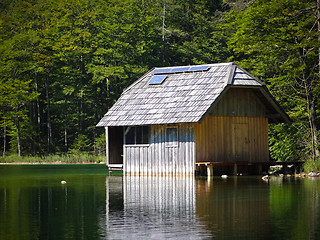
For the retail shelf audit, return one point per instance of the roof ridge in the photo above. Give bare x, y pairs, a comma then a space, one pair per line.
210, 64
230, 76
137, 81
249, 74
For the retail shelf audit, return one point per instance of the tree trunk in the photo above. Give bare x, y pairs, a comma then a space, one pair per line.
81, 120
311, 118
163, 31
314, 129
18, 135
318, 22
38, 107
4, 139
65, 140
80, 101
49, 129
313, 110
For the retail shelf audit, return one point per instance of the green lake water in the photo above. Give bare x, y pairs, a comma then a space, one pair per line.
92, 205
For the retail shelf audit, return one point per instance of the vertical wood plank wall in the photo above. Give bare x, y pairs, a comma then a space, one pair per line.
235, 130
159, 158
219, 139
239, 102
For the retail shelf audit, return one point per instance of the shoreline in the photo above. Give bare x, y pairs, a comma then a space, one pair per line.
52, 163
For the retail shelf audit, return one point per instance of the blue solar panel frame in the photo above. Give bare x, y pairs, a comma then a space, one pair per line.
161, 70
180, 69
157, 79
169, 70
199, 68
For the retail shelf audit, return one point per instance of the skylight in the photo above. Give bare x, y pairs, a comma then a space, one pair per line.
157, 79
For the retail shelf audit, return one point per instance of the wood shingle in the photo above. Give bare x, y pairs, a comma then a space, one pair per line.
183, 97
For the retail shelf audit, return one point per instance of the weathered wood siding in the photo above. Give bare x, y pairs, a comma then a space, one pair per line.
235, 130
136, 160
232, 139
161, 157
239, 102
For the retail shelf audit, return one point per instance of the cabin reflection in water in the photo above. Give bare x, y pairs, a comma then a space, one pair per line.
184, 207
154, 207
237, 207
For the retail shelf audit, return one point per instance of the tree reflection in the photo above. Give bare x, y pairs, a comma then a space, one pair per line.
234, 208
39, 207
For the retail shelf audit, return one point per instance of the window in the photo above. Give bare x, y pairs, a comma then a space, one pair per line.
172, 137
137, 135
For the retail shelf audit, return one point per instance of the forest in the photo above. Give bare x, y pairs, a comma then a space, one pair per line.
64, 63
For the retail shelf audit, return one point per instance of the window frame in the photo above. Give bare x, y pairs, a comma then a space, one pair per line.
175, 141
136, 130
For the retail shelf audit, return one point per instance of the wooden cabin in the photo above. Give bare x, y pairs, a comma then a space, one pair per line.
176, 120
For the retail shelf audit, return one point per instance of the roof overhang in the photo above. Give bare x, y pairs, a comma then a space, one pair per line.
275, 113
186, 96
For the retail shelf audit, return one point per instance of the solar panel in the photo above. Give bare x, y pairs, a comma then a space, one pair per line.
179, 69
198, 68
161, 70
157, 79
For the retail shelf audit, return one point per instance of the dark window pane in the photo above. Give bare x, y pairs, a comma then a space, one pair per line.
145, 135
138, 135
130, 136
172, 136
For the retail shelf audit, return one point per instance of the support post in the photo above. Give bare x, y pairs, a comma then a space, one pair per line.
210, 170
202, 170
285, 168
107, 146
235, 169
198, 168
259, 168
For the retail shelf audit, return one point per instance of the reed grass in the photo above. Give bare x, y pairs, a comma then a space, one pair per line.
56, 159
312, 165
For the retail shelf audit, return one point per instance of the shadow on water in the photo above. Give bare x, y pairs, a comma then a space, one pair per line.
91, 205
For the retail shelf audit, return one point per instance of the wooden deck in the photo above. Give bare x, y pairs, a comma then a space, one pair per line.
231, 168
112, 167
236, 168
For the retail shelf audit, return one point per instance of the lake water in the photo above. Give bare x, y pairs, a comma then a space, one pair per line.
91, 205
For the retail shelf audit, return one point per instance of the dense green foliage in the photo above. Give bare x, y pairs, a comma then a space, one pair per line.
64, 63
279, 42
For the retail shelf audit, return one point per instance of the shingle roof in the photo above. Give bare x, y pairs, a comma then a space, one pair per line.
181, 97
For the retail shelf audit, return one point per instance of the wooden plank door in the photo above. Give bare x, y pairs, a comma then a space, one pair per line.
240, 142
